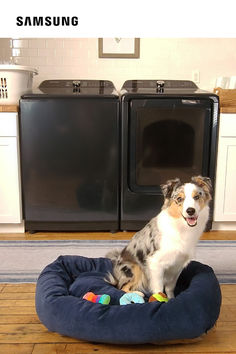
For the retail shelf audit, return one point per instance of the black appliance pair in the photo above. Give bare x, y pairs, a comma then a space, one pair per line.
94, 160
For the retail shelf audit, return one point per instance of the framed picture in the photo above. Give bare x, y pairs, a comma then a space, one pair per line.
119, 47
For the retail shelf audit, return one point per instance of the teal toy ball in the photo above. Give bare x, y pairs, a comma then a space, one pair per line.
131, 298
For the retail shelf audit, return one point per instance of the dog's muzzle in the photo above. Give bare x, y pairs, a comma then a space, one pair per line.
191, 218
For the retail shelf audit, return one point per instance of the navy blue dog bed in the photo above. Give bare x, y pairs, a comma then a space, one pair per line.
60, 306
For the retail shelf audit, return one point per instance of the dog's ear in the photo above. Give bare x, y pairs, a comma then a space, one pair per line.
169, 186
204, 183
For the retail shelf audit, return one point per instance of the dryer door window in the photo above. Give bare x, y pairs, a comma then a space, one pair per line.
168, 138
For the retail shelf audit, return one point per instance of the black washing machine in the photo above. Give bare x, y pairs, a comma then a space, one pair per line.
169, 129
69, 142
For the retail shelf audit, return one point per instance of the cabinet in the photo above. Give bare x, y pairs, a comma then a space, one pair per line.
10, 201
225, 189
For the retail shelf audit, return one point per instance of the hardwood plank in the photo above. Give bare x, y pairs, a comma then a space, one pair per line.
228, 300
19, 288
52, 349
16, 348
7, 319
211, 235
16, 303
227, 326
228, 289
219, 235
68, 236
18, 296
212, 343
18, 310
30, 333
228, 294
218, 341
15, 328
89, 348
228, 313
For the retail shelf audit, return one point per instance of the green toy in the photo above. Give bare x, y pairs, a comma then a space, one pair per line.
161, 297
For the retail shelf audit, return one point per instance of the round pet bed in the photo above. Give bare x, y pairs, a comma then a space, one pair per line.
61, 307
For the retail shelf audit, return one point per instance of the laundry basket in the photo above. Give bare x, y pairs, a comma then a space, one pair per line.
14, 81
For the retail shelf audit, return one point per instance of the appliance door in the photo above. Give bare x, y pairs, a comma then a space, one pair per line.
162, 138
69, 154
168, 138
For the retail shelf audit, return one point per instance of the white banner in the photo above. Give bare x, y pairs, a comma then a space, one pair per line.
123, 18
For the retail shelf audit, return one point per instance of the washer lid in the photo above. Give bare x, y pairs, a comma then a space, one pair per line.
153, 84
162, 88
64, 84
74, 88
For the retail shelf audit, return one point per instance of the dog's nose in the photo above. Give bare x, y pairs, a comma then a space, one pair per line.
190, 211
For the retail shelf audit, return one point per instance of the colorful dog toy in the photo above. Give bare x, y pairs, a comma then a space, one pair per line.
98, 299
161, 297
131, 298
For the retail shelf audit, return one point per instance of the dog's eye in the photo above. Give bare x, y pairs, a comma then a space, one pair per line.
196, 197
179, 199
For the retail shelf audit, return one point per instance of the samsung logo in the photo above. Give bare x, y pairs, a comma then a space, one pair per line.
47, 21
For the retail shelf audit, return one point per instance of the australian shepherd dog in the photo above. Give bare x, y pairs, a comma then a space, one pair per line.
155, 256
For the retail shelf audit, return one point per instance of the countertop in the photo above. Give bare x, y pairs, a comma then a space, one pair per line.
9, 108
230, 109
227, 99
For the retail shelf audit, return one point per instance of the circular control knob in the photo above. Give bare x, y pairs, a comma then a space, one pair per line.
76, 83
160, 85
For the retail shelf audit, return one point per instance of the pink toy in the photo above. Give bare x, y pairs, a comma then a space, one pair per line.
98, 299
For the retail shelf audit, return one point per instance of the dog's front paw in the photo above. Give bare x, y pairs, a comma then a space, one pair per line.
170, 294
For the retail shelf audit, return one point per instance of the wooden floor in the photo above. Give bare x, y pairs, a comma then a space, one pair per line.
211, 235
22, 332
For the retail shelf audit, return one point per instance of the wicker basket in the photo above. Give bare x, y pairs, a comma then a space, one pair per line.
14, 81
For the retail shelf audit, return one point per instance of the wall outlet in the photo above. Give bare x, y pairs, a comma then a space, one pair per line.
196, 76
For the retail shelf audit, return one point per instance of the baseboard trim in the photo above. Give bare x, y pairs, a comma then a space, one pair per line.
12, 228
224, 226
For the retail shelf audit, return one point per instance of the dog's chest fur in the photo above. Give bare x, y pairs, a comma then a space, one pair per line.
174, 252
164, 242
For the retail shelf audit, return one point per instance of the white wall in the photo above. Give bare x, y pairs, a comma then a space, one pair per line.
5, 50
160, 58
